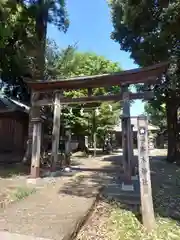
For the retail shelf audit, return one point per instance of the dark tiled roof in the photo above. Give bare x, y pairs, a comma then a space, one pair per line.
8, 104
2, 105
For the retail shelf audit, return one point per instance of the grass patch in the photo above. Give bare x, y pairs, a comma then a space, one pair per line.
20, 193
14, 194
78, 177
123, 225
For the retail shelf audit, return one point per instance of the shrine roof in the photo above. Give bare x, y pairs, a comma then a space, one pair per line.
8, 104
133, 76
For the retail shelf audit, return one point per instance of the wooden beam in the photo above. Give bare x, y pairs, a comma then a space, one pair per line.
144, 174
141, 75
56, 130
94, 143
118, 97
68, 148
126, 137
90, 92
132, 151
126, 113
36, 148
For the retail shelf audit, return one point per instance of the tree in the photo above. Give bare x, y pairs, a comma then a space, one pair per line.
72, 63
68, 62
156, 114
43, 12
83, 64
149, 31
16, 31
58, 63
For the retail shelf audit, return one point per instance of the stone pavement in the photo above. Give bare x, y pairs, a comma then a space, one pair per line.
15, 236
56, 211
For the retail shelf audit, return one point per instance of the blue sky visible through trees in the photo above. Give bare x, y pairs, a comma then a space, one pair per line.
90, 27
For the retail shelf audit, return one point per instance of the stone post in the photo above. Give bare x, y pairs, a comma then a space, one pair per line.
144, 174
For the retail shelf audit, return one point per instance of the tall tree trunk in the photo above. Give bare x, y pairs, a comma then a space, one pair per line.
171, 110
177, 136
177, 146
39, 60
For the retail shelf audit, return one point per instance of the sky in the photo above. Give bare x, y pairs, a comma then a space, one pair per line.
90, 28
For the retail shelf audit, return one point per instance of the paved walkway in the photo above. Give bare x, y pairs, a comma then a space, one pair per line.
15, 236
56, 210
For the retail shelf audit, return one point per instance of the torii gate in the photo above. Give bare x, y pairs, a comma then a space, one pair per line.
123, 79
148, 75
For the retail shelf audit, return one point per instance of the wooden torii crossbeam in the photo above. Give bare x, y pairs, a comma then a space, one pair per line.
147, 95
139, 75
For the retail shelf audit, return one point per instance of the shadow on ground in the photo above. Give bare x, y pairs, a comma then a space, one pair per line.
9, 169
165, 185
13, 169
10, 165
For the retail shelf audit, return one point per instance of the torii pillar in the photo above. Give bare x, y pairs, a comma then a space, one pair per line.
127, 142
56, 130
36, 122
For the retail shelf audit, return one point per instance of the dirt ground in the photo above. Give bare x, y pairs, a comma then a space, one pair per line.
13, 185
13, 177
109, 220
58, 202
